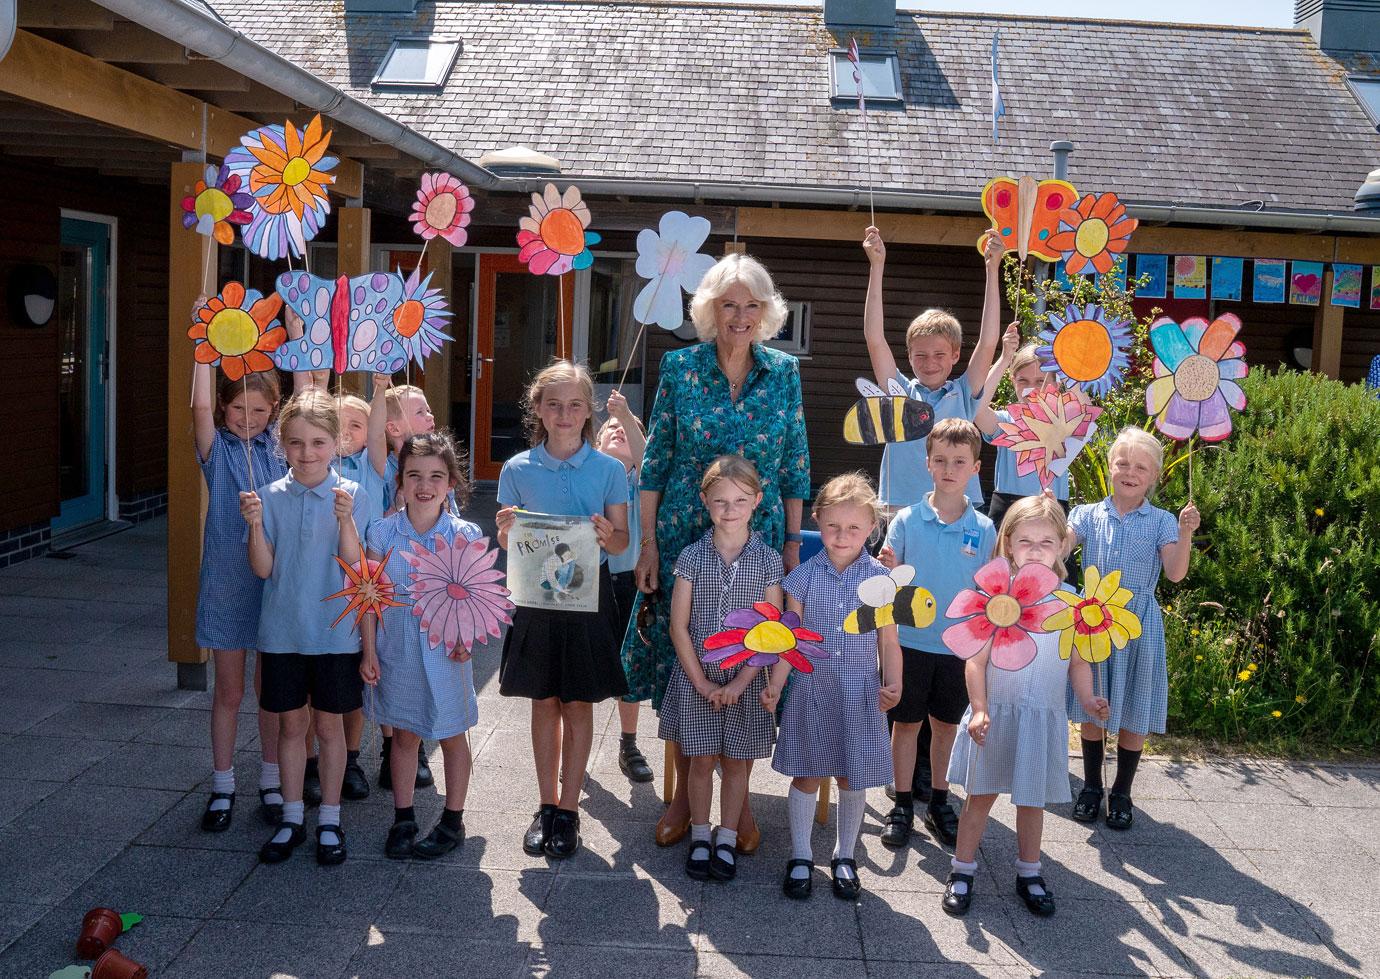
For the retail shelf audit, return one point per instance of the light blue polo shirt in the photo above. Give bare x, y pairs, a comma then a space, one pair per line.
372, 488
626, 561
905, 479
945, 558
1008, 482
584, 484
300, 525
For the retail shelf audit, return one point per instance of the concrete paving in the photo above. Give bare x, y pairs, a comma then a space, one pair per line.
1234, 869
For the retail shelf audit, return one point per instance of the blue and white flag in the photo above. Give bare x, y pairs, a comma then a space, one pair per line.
998, 106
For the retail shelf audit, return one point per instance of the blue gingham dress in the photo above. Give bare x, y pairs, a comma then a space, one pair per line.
229, 593
744, 730
1027, 751
831, 723
1135, 679
420, 689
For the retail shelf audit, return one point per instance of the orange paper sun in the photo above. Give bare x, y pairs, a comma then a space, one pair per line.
238, 330
368, 588
1092, 232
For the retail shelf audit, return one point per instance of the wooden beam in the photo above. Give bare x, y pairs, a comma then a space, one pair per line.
1327, 331
65, 14
130, 43
436, 377
197, 76
369, 151
260, 101
1362, 251
353, 245
914, 229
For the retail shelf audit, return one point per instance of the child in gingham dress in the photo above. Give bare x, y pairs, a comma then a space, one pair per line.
715, 714
1125, 532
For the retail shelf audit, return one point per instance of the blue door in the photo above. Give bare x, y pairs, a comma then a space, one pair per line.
83, 283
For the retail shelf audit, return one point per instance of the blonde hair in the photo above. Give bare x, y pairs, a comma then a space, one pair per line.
556, 372
1131, 439
848, 488
733, 270
313, 406
955, 431
393, 399
1032, 508
731, 467
353, 403
935, 323
1023, 359
263, 383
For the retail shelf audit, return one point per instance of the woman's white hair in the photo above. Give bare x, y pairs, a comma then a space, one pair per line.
730, 271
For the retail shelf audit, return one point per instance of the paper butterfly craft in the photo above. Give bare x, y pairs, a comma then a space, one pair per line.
238, 330
886, 416
1047, 430
456, 592
670, 260
552, 239
217, 204
287, 170
368, 589
371, 323
1004, 611
890, 599
1086, 347
1095, 623
1092, 232
1025, 214
1196, 369
758, 635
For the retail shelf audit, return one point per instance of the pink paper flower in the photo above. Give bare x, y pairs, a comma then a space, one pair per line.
456, 592
442, 209
1004, 611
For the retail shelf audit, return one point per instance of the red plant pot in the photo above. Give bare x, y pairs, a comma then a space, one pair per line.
113, 965
99, 929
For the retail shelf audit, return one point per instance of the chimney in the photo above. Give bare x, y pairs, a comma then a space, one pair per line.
864, 13
1340, 25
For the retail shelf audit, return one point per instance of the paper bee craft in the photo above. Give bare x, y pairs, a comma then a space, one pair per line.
886, 416
890, 599
759, 635
1025, 214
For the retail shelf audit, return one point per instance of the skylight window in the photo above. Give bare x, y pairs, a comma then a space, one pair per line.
881, 77
418, 62
1367, 92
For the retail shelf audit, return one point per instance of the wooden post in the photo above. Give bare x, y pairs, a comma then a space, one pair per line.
822, 807
668, 778
1327, 331
353, 245
436, 377
186, 488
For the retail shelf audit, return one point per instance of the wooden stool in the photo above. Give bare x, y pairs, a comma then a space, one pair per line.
822, 807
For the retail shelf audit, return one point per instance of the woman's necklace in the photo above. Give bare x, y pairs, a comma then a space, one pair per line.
735, 386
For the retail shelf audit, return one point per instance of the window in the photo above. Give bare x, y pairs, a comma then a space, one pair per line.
1367, 92
794, 337
418, 62
881, 77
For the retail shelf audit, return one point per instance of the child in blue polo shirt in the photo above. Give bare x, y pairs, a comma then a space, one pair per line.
946, 540
563, 661
296, 528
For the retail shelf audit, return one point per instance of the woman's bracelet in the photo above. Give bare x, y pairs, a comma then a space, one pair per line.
794, 538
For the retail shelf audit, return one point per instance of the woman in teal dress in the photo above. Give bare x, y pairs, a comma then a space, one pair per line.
728, 394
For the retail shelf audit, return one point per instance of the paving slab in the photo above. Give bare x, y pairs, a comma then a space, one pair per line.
408, 955
84, 810
164, 880
222, 948
624, 912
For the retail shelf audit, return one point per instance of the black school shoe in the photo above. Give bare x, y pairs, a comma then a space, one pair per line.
534, 840
954, 903
1119, 811
440, 841
942, 821
272, 852
1089, 805
798, 888
401, 836
1040, 905
354, 786
697, 868
425, 779
271, 812
565, 834
899, 824
846, 888
217, 820
634, 764
721, 868
330, 854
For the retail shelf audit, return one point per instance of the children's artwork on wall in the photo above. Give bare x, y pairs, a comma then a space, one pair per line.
456, 592
1305, 283
553, 562
669, 259
370, 323
1197, 366
1226, 278
1190, 277
891, 599
1375, 287
442, 209
367, 588
1048, 429
1268, 280
238, 330
886, 416
1025, 214
287, 170
552, 239
1097, 620
1092, 233
1346, 286
1087, 348
1157, 268
758, 636
1001, 613
217, 205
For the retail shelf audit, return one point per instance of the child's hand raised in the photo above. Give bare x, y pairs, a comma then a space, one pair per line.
978, 726
993, 250
201, 300
874, 246
1189, 519
888, 558
251, 508
618, 407
769, 698
382, 381
344, 504
603, 529
888, 696
1011, 342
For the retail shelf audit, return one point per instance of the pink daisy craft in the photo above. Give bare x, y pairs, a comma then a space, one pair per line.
442, 209
456, 593
1001, 613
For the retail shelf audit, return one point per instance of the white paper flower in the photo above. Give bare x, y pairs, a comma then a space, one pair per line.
669, 259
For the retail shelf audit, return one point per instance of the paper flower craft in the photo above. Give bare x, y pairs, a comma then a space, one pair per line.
442, 209
1086, 347
890, 599
368, 323
670, 261
1047, 431
287, 171
886, 416
1025, 213
1094, 624
1004, 611
552, 239
368, 588
1196, 369
238, 330
217, 204
1092, 232
758, 635
456, 592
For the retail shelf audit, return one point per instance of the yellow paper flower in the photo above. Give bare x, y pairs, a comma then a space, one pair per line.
1093, 625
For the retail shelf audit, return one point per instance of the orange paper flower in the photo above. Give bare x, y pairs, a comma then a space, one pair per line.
1091, 232
552, 238
238, 330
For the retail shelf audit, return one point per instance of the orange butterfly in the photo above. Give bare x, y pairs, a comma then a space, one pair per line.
1025, 213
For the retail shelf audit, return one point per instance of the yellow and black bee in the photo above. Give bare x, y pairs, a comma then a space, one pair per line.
891, 599
886, 416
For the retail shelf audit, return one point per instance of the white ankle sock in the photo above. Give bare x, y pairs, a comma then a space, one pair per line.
328, 816
959, 867
852, 802
699, 836
800, 806
1024, 869
269, 775
293, 814
729, 838
221, 782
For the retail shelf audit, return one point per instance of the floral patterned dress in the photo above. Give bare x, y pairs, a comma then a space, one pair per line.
694, 420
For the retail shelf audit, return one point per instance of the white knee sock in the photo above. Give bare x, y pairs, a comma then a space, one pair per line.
801, 808
1024, 869
959, 867
852, 802
222, 782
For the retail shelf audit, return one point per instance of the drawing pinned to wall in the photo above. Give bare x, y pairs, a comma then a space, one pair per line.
1097, 620
238, 330
1190, 277
1226, 278
1025, 214
367, 588
1197, 367
442, 209
287, 170
886, 416
1092, 232
1305, 283
1346, 286
456, 593
1157, 268
552, 239
1267, 280
1047, 430
1001, 613
1086, 347
1375, 287
758, 636
217, 205
890, 599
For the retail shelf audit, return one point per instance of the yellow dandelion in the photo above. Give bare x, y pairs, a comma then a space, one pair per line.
1252, 667
1318, 511
1276, 713
1193, 632
1198, 659
1244, 675
1300, 699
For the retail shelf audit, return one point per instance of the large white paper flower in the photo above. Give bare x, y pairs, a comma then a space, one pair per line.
669, 259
